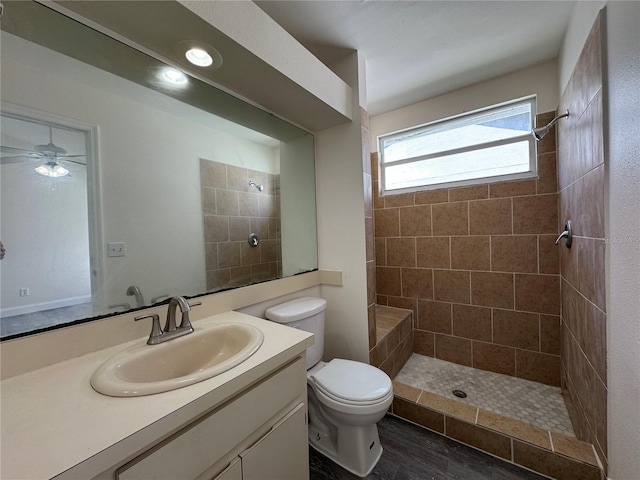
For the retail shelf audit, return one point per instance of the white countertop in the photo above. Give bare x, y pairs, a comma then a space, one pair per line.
54, 424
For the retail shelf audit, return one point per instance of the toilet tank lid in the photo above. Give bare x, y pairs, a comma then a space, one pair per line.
296, 309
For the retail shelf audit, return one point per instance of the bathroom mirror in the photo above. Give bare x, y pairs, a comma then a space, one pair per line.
166, 181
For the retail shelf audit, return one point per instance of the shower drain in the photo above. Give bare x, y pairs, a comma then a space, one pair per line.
459, 393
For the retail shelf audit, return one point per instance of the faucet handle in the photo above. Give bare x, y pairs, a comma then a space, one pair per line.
184, 321
156, 329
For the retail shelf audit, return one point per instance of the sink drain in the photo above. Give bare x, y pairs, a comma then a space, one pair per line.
459, 393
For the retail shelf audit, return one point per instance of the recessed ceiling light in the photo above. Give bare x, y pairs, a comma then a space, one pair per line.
199, 57
174, 77
199, 54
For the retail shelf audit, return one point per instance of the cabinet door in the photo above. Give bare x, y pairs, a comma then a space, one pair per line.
283, 453
200, 445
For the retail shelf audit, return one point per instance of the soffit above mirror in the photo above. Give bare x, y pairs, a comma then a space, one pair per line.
163, 30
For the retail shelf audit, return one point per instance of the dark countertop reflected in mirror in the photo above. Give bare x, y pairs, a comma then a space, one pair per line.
162, 191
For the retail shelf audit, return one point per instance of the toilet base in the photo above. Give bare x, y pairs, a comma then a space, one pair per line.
355, 448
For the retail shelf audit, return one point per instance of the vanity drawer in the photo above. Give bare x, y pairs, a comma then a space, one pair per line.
198, 446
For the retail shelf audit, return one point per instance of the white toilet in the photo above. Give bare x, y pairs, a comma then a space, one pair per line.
346, 398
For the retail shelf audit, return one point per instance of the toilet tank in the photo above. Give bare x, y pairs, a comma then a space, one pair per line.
306, 313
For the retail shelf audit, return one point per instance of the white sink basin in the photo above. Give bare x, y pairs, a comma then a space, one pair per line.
148, 369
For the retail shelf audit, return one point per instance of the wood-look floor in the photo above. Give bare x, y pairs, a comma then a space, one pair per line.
414, 453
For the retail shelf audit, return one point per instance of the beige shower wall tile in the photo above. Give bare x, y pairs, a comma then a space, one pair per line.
240, 228
591, 268
470, 253
388, 281
417, 283
434, 316
238, 180
387, 222
550, 334
538, 293
514, 253
494, 358
453, 349
227, 202
538, 367
213, 174
433, 252
208, 200
472, 322
535, 214
548, 254
450, 219
431, 196
492, 289
216, 228
513, 189
516, 329
424, 343
401, 252
547, 173
400, 200
229, 254
451, 286
490, 217
415, 221
468, 193
211, 255
248, 204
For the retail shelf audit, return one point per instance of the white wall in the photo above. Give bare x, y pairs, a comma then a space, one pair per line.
297, 207
44, 227
150, 182
580, 23
623, 260
341, 240
539, 80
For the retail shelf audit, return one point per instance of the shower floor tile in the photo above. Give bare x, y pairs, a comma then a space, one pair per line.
530, 402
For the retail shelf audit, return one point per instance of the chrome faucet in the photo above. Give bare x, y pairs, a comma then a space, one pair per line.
135, 290
170, 331
170, 324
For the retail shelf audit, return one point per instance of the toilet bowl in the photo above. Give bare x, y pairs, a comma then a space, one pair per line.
345, 398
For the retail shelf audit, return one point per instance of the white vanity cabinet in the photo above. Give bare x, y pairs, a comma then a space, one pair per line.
261, 434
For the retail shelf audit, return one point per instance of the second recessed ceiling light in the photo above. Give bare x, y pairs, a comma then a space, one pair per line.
199, 57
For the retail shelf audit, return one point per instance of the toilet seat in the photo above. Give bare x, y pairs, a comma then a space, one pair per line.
351, 387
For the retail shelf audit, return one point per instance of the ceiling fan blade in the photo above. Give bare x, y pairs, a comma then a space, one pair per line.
15, 151
75, 161
72, 156
13, 159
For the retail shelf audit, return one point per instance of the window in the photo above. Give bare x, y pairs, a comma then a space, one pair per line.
489, 145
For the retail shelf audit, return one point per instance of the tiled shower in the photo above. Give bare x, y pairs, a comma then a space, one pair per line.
487, 287
232, 210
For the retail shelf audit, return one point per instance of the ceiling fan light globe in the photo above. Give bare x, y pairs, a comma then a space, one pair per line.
54, 171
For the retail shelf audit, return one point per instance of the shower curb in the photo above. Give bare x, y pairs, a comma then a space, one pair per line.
544, 452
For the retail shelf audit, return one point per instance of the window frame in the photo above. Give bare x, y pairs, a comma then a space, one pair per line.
454, 120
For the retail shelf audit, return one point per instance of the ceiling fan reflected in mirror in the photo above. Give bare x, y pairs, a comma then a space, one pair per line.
50, 155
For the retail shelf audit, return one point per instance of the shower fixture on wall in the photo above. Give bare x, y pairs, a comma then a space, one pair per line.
540, 132
259, 187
